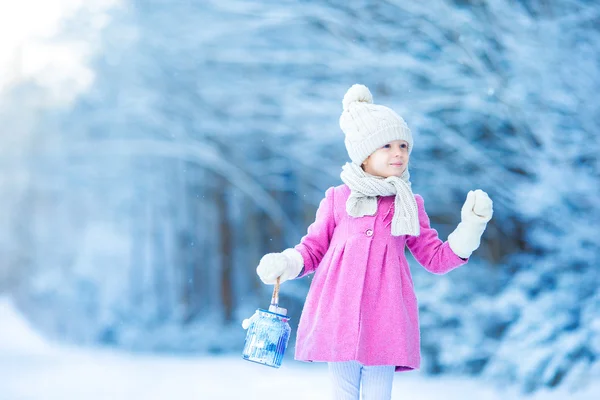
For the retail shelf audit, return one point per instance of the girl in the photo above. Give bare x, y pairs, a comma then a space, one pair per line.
361, 314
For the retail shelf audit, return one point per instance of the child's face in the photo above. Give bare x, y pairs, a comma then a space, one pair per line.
389, 160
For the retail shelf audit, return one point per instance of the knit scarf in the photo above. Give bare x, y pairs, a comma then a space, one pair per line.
364, 189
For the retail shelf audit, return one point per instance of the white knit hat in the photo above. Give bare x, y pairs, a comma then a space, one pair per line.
369, 126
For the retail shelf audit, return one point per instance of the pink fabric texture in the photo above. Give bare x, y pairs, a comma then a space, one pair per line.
361, 304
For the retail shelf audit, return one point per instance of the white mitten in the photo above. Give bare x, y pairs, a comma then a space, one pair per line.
475, 214
285, 265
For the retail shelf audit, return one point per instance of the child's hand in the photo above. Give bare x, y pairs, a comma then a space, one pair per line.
478, 207
285, 265
475, 214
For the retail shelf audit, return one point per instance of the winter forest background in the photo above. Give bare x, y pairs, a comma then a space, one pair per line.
152, 151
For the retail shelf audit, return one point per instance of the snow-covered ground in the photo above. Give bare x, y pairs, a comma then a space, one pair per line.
31, 368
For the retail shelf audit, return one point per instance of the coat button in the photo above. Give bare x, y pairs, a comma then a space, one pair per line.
369, 232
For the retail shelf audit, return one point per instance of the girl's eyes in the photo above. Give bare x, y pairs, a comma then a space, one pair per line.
402, 146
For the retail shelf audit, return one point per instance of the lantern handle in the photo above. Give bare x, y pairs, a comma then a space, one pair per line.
275, 298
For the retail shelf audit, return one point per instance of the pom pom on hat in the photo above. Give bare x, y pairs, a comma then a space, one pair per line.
357, 93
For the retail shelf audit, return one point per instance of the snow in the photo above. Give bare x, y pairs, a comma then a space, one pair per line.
33, 368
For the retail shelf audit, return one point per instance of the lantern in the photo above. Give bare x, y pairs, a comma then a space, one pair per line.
268, 333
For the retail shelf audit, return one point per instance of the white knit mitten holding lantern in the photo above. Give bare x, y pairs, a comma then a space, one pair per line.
475, 214
286, 265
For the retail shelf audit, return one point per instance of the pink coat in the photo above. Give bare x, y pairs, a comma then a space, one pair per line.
361, 304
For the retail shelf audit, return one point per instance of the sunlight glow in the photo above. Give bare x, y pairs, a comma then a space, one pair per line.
31, 50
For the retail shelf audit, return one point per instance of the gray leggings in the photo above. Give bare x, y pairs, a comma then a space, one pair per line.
349, 378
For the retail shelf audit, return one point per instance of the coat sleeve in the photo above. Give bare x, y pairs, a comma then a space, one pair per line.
427, 248
315, 243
